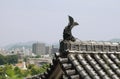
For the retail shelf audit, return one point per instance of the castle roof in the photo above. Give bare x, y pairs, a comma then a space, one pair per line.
78, 64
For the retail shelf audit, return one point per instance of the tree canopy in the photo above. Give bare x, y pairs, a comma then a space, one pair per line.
9, 59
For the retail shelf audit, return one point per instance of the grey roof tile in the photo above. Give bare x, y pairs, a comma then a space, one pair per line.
70, 72
67, 66
75, 77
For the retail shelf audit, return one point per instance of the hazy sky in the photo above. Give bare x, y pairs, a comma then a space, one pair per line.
44, 20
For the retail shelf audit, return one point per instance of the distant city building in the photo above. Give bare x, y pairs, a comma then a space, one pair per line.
39, 48
48, 50
3, 51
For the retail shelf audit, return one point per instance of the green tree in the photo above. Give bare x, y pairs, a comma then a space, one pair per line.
38, 56
25, 73
2, 73
17, 70
17, 73
2, 60
30, 66
8, 66
10, 72
34, 71
45, 66
12, 59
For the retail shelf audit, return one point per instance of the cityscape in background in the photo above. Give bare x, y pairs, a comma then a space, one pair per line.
37, 53
33, 49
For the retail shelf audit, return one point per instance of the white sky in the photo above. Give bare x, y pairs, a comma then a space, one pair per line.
44, 20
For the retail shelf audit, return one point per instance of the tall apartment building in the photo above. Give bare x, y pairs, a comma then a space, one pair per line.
48, 50
39, 48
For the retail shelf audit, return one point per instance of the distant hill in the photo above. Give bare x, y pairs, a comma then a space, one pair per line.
19, 45
115, 40
26, 45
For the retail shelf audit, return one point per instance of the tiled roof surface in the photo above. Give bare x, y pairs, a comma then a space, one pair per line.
95, 66
94, 60
86, 66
